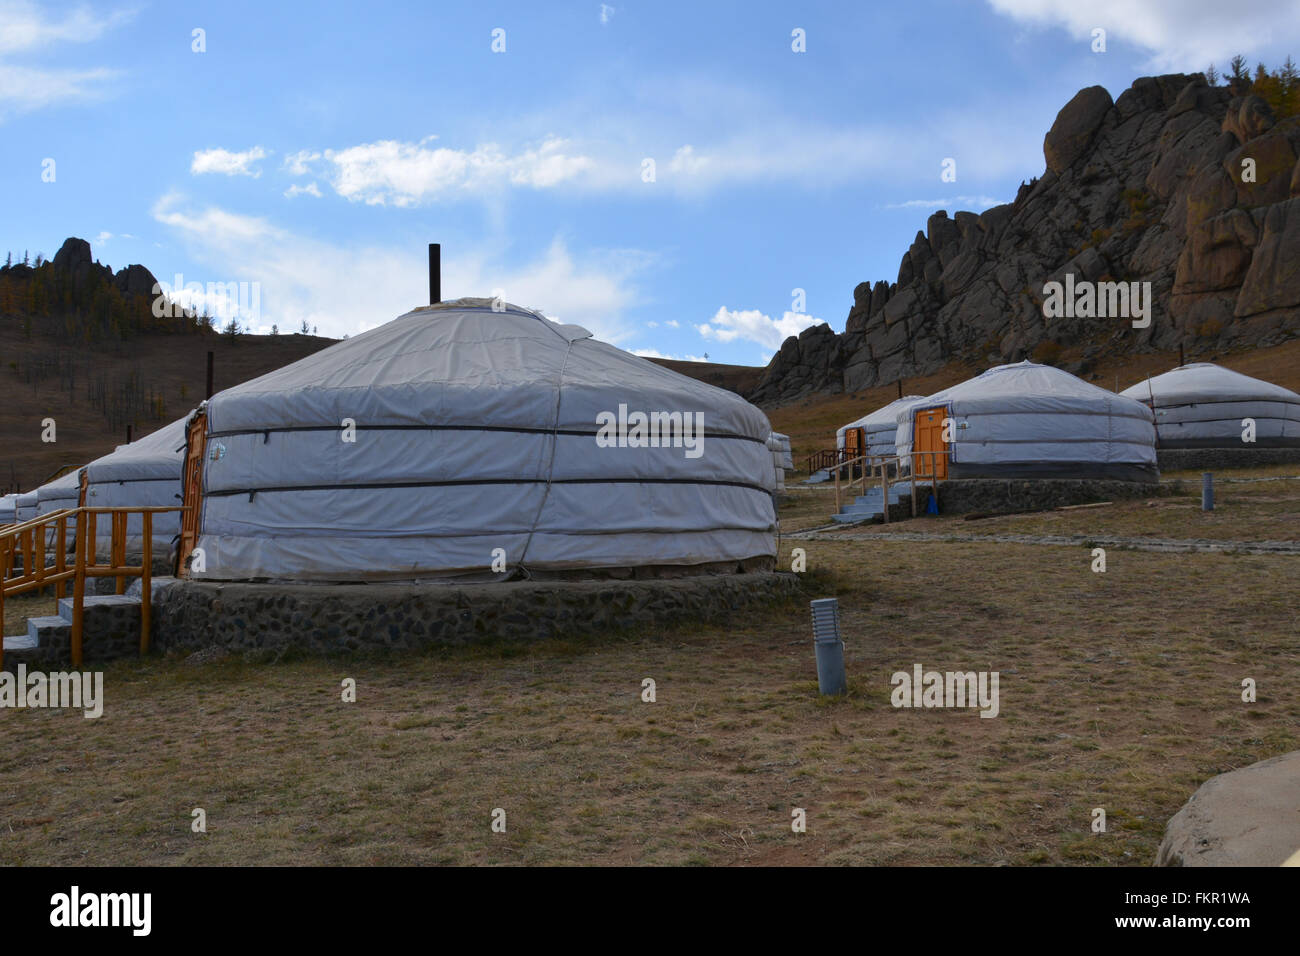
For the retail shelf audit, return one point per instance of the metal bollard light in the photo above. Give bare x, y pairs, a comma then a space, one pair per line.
829, 647
1207, 491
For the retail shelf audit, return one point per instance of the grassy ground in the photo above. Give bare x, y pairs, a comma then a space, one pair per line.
1118, 690
1244, 511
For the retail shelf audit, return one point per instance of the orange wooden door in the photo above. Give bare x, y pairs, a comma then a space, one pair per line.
853, 443
927, 435
192, 490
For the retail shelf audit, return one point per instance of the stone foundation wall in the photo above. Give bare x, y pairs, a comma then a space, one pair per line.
966, 495
1219, 459
272, 618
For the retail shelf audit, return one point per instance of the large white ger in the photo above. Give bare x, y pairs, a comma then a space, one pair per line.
1031, 421
1204, 405
420, 448
143, 474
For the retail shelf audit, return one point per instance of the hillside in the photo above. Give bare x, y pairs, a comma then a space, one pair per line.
45, 376
1192, 188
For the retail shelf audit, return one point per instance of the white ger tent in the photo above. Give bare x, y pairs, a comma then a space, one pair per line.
877, 430
8, 509
1032, 421
1203, 405
62, 492
145, 473
477, 430
782, 459
25, 506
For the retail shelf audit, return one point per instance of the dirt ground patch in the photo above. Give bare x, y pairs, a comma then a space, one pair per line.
1119, 690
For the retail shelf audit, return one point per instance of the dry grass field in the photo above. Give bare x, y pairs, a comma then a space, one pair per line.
1119, 690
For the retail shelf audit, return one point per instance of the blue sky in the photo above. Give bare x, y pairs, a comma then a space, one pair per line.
317, 151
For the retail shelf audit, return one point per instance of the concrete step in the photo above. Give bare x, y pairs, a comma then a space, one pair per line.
817, 477
877, 498
22, 649
854, 518
93, 601
48, 631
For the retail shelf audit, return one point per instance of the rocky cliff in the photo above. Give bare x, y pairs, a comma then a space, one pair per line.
1151, 187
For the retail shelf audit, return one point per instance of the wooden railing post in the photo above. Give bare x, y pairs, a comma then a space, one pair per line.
85, 523
61, 556
884, 488
146, 571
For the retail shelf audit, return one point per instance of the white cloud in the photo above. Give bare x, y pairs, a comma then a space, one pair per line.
673, 324
727, 325
306, 279
606, 13
26, 29
405, 174
311, 189
300, 163
23, 89
952, 202
226, 163
1180, 34
655, 353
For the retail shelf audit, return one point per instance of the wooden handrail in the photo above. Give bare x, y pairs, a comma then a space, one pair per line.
31, 538
882, 462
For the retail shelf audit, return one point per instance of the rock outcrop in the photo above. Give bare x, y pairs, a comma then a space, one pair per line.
74, 261
1249, 817
1152, 187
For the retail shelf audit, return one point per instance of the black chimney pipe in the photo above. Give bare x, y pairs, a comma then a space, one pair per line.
128, 434
1181, 361
209, 394
435, 273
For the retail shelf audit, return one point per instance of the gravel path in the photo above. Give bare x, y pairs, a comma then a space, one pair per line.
1059, 540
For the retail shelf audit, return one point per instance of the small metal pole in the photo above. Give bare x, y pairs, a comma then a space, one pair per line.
209, 390
1207, 491
435, 273
828, 646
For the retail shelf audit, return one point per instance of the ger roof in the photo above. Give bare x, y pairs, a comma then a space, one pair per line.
465, 363
1029, 387
1207, 382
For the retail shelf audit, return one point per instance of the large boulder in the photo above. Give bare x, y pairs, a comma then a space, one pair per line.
1266, 179
1075, 127
1273, 281
1217, 254
1248, 117
1249, 817
72, 256
135, 280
